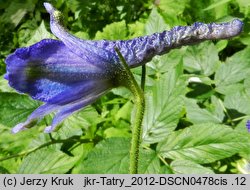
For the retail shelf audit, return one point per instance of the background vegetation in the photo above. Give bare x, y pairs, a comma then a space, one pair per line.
197, 97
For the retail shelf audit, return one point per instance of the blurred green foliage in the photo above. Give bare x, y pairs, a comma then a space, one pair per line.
197, 97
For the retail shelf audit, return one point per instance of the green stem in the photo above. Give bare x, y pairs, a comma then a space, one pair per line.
127, 79
25, 153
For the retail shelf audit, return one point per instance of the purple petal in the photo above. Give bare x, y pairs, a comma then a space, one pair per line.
48, 69
97, 56
36, 115
248, 125
71, 108
66, 105
141, 50
19, 127
83, 89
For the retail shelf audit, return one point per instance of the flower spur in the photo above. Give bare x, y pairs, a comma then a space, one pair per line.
69, 74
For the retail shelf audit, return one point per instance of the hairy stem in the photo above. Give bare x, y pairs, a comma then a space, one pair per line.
129, 81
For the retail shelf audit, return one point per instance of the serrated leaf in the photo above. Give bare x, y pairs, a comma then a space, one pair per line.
4, 87
230, 88
112, 156
173, 5
239, 101
241, 128
15, 108
39, 34
202, 59
164, 63
108, 156
136, 29
189, 167
83, 149
203, 143
155, 23
198, 115
14, 144
235, 69
125, 111
218, 108
164, 104
247, 86
114, 31
47, 160
84, 119
149, 163
172, 9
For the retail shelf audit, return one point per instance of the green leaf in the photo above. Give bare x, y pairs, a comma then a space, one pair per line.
15, 12
39, 34
216, 4
244, 7
197, 115
4, 87
172, 10
155, 23
112, 156
4, 170
47, 160
247, 86
235, 69
164, 63
11, 165
239, 101
136, 29
245, 151
82, 151
15, 108
84, 119
164, 105
124, 112
220, 45
108, 156
217, 107
230, 88
149, 163
114, 31
189, 167
14, 144
202, 143
202, 59
117, 132
241, 128
171, 5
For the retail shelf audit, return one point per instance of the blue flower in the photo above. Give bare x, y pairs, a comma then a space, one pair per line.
71, 73
248, 125
67, 75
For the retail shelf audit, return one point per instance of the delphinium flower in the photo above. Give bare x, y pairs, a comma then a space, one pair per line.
70, 73
248, 125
